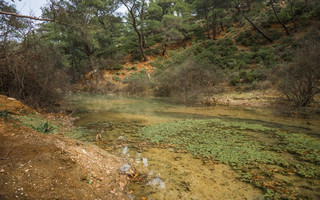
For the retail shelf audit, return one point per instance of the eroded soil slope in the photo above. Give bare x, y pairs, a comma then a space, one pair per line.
38, 166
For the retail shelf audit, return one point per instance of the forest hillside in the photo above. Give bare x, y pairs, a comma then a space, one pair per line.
187, 51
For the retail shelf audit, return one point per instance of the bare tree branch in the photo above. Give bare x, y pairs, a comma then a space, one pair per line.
26, 16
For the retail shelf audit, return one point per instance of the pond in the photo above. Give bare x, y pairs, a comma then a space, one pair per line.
181, 152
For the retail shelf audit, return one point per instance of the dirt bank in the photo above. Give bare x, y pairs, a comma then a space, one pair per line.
34, 165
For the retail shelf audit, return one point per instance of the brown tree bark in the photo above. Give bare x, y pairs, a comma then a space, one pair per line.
207, 28
278, 18
221, 26
307, 4
164, 49
214, 27
136, 29
141, 27
238, 7
292, 15
258, 29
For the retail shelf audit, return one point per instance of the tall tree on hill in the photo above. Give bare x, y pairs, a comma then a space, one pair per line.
291, 2
136, 10
212, 12
86, 30
272, 3
243, 7
203, 8
171, 30
166, 6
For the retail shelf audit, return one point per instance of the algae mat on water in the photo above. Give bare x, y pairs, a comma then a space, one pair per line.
285, 165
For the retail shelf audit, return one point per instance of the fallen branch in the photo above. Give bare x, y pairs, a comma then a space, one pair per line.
6, 157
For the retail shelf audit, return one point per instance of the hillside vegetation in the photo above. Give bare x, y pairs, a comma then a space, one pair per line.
184, 50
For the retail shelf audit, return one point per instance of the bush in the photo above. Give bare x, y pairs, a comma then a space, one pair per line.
134, 68
187, 83
116, 78
300, 80
4, 113
275, 35
32, 72
45, 128
244, 77
137, 83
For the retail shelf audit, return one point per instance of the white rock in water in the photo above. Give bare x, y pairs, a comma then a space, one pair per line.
125, 150
145, 162
158, 183
124, 168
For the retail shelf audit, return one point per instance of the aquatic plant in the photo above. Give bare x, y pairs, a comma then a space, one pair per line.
242, 146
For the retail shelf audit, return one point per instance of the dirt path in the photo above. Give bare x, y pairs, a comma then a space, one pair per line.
38, 166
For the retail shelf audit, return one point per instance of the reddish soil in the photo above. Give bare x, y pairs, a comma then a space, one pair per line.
38, 166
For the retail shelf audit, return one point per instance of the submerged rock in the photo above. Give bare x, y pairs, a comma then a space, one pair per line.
157, 183
124, 168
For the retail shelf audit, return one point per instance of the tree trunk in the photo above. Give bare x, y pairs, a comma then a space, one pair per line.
207, 28
184, 43
307, 4
292, 15
255, 26
258, 29
221, 26
214, 27
90, 53
136, 29
141, 47
142, 21
164, 49
278, 18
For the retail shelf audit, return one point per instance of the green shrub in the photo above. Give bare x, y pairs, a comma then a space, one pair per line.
134, 68
188, 82
244, 77
117, 67
116, 78
137, 83
275, 35
225, 42
45, 128
4, 113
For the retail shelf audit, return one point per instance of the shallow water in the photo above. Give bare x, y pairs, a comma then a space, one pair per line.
164, 173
